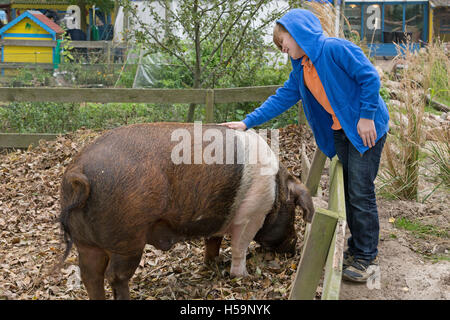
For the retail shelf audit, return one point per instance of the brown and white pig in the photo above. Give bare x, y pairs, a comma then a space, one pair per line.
147, 184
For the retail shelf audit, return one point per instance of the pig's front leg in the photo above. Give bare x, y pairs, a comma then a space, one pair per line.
239, 245
241, 236
249, 219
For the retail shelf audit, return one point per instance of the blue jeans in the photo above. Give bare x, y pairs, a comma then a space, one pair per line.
360, 172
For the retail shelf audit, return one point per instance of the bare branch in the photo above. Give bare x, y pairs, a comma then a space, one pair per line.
171, 51
213, 7
213, 27
225, 36
235, 50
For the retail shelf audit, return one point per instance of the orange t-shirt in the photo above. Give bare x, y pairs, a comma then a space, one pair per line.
314, 85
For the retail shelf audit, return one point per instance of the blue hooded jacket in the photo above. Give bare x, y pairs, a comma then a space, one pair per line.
350, 81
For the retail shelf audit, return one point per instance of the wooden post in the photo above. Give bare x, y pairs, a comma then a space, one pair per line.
314, 255
209, 116
301, 118
315, 172
108, 45
306, 165
23, 140
336, 203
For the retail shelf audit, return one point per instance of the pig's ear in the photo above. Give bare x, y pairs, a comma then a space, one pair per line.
301, 197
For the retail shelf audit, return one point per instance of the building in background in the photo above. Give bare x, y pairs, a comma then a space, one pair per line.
383, 22
440, 19
98, 27
40, 34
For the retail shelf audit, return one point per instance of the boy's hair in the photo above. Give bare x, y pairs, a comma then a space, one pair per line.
277, 31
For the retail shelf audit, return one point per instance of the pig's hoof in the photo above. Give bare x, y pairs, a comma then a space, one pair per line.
212, 260
239, 274
213, 264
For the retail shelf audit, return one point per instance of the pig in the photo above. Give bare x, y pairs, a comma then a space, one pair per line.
132, 187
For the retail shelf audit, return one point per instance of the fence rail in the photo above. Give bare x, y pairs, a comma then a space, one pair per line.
109, 95
26, 65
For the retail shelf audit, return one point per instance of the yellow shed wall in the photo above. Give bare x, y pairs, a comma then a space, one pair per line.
28, 54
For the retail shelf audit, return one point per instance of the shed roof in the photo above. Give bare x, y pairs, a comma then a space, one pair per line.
38, 18
47, 21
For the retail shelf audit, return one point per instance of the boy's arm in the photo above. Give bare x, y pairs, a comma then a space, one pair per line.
284, 98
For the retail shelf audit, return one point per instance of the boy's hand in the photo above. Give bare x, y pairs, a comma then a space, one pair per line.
236, 125
367, 132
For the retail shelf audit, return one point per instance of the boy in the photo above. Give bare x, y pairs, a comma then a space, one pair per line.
339, 88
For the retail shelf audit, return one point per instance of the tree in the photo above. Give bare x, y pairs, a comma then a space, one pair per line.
213, 39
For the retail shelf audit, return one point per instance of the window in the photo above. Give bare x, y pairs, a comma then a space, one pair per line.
414, 21
393, 23
352, 13
393, 17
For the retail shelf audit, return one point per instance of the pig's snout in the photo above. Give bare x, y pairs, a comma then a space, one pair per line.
287, 245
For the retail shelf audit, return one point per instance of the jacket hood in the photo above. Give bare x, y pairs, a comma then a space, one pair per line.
306, 30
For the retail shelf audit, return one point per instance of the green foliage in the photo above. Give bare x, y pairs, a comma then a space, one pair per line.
440, 81
220, 43
68, 117
419, 229
28, 77
385, 95
66, 48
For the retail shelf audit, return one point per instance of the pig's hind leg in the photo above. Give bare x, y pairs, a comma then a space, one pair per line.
212, 249
93, 262
119, 272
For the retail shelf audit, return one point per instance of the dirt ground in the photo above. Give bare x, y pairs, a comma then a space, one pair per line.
407, 268
411, 267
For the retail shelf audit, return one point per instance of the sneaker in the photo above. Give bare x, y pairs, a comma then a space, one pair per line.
359, 270
348, 259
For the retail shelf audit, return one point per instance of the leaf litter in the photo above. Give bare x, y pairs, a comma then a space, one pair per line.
31, 248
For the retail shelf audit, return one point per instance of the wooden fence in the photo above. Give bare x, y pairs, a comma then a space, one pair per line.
324, 242
207, 97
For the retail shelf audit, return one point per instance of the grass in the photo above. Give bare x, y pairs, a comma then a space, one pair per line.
419, 229
427, 73
432, 110
438, 257
443, 100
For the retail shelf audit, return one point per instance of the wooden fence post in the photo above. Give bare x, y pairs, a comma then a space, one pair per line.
301, 118
336, 203
324, 244
209, 116
315, 171
306, 165
314, 255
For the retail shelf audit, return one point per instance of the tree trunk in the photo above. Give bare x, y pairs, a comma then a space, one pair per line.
198, 61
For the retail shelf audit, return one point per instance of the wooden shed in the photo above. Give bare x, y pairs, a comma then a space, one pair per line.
30, 38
